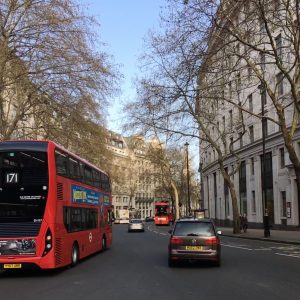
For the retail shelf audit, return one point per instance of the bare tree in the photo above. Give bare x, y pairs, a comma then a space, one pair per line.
168, 164
50, 72
259, 40
169, 95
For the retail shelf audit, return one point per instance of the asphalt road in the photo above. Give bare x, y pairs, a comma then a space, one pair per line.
136, 268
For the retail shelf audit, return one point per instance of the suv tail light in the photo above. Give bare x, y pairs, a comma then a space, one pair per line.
213, 240
176, 241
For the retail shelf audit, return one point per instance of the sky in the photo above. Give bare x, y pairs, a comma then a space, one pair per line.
123, 27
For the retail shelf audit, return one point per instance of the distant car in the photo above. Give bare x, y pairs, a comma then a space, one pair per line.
194, 240
117, 221
149, 219
136, 225
124, 221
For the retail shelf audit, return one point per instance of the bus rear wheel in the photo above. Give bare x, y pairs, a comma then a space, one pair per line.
74, 255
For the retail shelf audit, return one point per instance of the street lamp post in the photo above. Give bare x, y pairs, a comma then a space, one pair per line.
188, 178
261, 87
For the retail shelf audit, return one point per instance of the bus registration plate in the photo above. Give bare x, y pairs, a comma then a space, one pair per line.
193, 248
12, 266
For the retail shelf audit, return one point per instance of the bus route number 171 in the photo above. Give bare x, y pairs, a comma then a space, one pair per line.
12, 177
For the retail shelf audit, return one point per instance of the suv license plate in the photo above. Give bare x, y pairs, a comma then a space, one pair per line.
12, 266
193, 248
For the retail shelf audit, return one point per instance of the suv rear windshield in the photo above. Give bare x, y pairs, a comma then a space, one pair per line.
194, 228
136, 221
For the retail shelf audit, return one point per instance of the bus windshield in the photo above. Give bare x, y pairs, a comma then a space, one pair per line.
162, 210
23, 185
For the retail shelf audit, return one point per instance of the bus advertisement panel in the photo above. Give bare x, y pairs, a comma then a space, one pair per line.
163, 215
55, 208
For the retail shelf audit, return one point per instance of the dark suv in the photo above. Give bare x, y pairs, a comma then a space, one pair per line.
194, 239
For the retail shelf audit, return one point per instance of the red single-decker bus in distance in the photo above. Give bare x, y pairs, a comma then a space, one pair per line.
163, 215
55, 208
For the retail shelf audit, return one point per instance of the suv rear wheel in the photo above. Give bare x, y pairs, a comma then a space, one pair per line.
217, 263
171, 262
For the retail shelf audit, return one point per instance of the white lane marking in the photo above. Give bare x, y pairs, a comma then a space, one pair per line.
157, 232
244, 248
238, 247
289, 255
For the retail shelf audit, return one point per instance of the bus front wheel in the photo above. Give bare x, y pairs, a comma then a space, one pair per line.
104, 246
74, 255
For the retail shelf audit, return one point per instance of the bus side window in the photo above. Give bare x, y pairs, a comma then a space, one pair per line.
74, 169
61, 164
105, 182
81, 169
76, 219
67, 218
92, 218
97, 179
88, 176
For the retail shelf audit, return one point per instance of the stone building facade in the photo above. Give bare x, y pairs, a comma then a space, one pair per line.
133, 187
245, 117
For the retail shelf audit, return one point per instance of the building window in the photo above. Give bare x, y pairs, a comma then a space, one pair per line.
249, 72
262, 27
230, 119
251, 134
231, 144
241, 139
253, 203
265, 126
250, 100
279, 83
230, 89
240, 111
278, 44
276, 5
252, 165
282, 160
283, 204
238, 48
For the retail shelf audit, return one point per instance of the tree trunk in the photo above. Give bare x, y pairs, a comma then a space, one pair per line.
235, 209
234, 201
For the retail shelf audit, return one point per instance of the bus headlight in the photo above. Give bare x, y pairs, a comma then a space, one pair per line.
48, 242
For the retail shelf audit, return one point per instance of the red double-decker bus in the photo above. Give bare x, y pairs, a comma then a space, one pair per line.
162, 213
55, 208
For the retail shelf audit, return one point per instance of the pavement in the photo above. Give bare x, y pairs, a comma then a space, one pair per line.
277, 236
